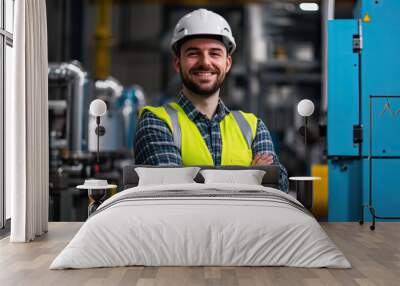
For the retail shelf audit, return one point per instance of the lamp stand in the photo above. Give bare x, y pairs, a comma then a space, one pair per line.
305, 142
100, 131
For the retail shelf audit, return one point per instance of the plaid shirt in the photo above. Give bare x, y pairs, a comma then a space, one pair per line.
154, 144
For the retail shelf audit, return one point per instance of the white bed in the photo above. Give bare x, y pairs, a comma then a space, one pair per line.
203, 225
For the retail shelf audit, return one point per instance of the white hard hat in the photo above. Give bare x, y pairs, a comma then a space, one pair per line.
203, 22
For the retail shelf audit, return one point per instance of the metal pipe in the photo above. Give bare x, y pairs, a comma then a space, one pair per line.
77, 101
110, 87
328, 13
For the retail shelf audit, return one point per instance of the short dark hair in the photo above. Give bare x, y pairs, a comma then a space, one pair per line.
178, 45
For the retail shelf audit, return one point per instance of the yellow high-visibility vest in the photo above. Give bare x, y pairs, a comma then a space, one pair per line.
238, 130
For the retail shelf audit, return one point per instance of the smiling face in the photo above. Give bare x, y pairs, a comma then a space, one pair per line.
203, 64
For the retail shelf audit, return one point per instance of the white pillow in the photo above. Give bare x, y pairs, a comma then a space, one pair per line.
248, 177
164, 176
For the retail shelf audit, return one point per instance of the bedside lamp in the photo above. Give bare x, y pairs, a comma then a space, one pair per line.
304, 188
305, 108
97, 189
98, 108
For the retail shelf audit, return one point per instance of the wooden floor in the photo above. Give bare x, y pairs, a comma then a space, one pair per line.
375, 256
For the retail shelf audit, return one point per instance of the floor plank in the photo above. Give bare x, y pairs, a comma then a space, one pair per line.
374, 255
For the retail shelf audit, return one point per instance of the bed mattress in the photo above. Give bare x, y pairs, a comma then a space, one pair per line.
201, 225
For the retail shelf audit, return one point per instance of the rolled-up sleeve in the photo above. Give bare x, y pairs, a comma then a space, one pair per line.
262, 144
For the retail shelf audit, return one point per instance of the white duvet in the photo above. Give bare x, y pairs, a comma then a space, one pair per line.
207, 230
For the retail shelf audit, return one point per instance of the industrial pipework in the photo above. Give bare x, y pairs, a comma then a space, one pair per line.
75, 83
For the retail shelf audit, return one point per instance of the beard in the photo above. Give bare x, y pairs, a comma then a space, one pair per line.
196, 88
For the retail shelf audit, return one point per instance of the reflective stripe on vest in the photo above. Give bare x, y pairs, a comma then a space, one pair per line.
237, 133
176, 129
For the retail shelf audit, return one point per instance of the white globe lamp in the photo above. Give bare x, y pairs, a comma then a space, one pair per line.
98, 108
305, 108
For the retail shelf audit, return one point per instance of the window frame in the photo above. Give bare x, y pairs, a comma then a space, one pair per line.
2, 86
6, 39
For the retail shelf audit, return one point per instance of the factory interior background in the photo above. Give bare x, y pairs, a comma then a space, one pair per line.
118, 51
337, 226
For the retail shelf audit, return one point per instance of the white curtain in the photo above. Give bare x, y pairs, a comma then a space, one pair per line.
27, 124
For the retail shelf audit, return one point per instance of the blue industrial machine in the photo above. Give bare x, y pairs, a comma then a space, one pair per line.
364, 113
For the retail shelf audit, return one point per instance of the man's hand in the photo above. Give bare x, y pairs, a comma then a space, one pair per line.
262, 160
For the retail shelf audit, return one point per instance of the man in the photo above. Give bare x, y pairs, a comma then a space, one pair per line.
199, 129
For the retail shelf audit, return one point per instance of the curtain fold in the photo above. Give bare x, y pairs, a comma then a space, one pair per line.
27, 124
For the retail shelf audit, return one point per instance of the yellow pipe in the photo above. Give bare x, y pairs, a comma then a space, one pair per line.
103, 38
